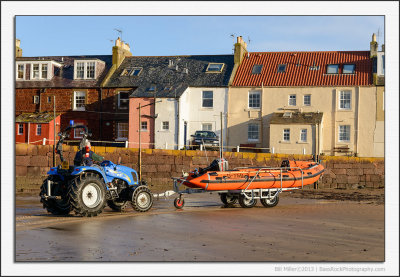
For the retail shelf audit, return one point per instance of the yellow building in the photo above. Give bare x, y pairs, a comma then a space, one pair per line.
304, 102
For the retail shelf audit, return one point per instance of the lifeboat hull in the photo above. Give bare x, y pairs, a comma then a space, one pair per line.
297, 174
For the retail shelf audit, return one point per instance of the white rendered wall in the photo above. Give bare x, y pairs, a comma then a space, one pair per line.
166, 110
195, 115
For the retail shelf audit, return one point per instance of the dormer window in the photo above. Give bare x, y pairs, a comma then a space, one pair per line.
131, 71
332, 69
215, 67
256, 69
36, 69
281, 68
349, 68
84, 69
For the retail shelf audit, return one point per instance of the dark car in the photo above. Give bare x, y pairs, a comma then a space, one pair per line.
205, 138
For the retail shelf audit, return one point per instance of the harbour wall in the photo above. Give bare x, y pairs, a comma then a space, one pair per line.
32, 162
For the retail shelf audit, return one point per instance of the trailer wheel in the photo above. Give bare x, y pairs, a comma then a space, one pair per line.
269, 203
228, 199
179, 202
247, 203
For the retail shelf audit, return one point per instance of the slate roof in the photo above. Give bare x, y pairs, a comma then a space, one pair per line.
296, 118
298, 71
35, 117
66, 78
156, 70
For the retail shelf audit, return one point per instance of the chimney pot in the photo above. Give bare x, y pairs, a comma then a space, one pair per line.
373, 37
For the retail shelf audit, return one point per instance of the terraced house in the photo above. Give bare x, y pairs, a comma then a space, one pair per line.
177, 94
71, 85
306, 102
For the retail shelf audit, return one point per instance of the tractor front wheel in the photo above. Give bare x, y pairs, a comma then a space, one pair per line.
88, 195
142, 199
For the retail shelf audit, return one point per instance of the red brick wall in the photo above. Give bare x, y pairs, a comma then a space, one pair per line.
158, 166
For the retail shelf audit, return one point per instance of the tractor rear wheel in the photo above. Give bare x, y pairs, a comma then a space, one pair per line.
88, 195
55, 206
142, 199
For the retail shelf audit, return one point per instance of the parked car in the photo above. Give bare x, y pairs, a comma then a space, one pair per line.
206, 138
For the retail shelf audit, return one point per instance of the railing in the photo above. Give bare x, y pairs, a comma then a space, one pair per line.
134, 144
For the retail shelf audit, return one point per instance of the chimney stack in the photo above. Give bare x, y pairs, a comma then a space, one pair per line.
18, 50
373, 47
120, 51
240, 50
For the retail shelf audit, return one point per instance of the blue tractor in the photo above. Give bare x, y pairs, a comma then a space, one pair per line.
87, 188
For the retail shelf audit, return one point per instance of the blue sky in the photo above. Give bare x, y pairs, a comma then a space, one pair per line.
197, 35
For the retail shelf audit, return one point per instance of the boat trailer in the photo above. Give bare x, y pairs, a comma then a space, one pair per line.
247, 198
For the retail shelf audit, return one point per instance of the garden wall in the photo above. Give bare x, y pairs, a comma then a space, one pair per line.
158, 166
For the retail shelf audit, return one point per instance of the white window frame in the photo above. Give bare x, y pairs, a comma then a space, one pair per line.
203, 98
86, 64
163, 125
304, 100
39, 129
145, 124
206, 124
257, 131
20, 129
121, 130
33, 71
23, 72
341, 99
253, 101
286, 135
341, 132
76, 94
48, 99
119, 100
36, 99
303, 135
40, 70
292, 98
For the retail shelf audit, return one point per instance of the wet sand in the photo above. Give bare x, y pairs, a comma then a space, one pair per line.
305, 226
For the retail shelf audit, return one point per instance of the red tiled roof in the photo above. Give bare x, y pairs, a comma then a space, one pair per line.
298, 72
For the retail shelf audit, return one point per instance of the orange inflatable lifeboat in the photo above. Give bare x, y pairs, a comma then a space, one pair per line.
291, 174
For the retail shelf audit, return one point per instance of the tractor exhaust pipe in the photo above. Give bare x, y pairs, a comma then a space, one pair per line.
48, 187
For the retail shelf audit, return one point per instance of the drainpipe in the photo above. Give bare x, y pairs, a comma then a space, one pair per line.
358, 119
101, 117
227, 118
178, 123
29, 124
261, 114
